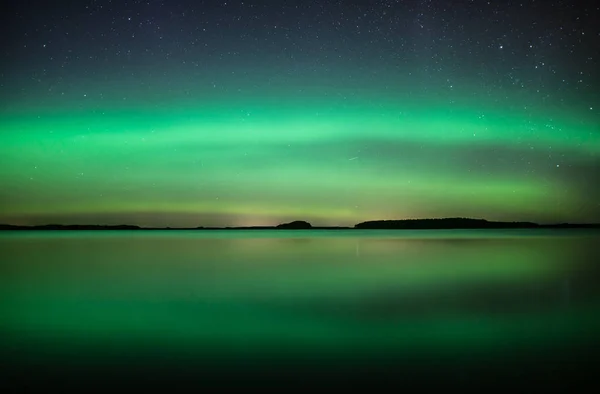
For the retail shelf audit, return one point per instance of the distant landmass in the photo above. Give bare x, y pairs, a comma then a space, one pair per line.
69, 227
407, 224
446, 223
296, 225
459, 223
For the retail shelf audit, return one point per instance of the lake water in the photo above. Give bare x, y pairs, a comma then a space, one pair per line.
418, 307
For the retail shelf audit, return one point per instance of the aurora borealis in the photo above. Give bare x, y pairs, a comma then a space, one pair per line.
234, 113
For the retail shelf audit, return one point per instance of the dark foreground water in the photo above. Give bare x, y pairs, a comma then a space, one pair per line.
88, 310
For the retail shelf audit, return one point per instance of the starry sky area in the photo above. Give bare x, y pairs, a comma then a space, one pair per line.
241, 113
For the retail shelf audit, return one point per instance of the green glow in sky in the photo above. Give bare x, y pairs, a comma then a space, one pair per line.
332, 162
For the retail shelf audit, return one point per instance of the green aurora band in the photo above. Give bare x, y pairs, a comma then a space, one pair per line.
242, 160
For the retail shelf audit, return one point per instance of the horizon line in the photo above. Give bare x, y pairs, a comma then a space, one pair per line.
310, 226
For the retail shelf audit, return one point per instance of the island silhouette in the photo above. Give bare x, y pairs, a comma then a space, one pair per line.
295, 225
404, 224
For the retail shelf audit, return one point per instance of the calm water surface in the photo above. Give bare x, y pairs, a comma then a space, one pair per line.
421, 303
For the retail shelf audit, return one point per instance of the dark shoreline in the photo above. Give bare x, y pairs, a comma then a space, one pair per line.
419, 224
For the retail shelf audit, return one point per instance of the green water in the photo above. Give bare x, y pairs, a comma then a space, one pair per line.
88, 296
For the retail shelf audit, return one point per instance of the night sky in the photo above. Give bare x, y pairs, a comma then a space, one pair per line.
234, 113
